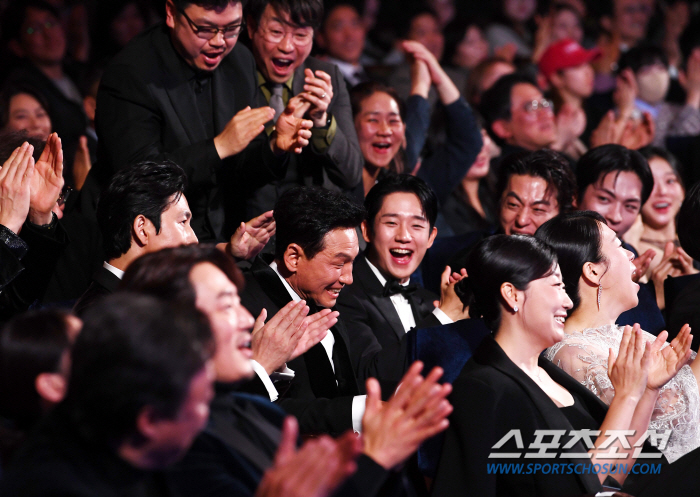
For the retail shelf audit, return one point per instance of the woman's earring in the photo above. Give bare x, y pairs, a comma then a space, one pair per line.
515, 308
600, 292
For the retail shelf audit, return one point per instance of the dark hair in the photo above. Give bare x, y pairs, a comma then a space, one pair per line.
496, 101
551, 166
473, 91
302, 13
10, 140
180, 5
404, 27
651, 151
577, 239
331, 5
166, 273
145, 188
133, 351
598, 162
394, 183
517, 259
688, 222
13, 18
454, 33
641, 56
304, 215
11, 91
30, 344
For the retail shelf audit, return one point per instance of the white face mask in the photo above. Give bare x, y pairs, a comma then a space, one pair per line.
652, 83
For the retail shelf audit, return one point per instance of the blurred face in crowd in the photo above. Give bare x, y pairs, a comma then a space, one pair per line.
632, 18
526, 203
217, 298
531, 124
175, 228
380, 129
426, 30
493, 73
665, 200
343, 34
399, 237
128, 23
617, 197
472, 49
201, 50
26, 113
480, 168
519, 11
279, 46
652, 83
320, 279
566, 24
577, 81
41, 38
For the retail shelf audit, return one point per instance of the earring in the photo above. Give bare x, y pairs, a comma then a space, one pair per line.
515, 308
600, 292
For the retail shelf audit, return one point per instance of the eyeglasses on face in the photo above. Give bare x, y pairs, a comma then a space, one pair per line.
301, 37
535, 105
43, 26
209, 32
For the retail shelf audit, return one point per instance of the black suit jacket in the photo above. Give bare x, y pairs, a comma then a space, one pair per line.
338, 167
147, 109
104, 282
378, 342
320, 405
491, 397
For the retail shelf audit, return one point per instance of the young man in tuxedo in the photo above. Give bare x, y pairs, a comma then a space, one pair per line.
383, 305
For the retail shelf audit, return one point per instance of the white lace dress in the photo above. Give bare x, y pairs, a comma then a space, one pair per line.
585, 357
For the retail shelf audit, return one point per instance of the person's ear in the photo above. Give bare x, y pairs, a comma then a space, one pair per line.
433, 234
89, 105
142, 229
251, 26
148, 423
292, 257
511, 295
592, 273
51, 387
501, 128
556, 80
365, 231
170, 14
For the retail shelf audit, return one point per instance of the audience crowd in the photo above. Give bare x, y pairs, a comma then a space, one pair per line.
248, 246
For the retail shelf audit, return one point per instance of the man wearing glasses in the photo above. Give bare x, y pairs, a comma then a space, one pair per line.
183, 91
281, 34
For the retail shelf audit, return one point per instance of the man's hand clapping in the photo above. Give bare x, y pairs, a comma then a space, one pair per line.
16, 175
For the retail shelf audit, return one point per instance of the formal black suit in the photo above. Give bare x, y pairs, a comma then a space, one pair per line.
378, 342
338, 167
104, 282
320, 399
149, 107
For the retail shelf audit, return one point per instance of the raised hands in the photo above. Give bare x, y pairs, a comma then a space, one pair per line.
292, 131
446, 89
317, 325
449, 302
47, 182
15, 178
642, 264
629, 371
318, 91
393, 430
251, 237
665, 362
315, 470
675, 262
241, 130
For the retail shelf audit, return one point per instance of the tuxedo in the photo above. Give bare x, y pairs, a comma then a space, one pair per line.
320, 395
152, 105
104, 282
378, 340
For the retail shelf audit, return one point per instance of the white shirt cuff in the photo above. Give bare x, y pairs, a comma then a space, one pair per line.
358, 411
441, 316
265, 378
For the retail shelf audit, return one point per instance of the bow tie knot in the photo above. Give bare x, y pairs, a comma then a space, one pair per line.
393, 287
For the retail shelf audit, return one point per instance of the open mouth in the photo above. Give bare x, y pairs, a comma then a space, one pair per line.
211, 58
381, 148
401, 256
560, 319
282, 65
334, 292
661, 206
245, 349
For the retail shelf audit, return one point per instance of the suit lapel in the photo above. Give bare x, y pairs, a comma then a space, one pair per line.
223, 98
368, 280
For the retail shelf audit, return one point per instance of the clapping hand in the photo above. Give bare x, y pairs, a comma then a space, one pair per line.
629, 371
16, 175
47, 182
292, 131
318, 91
251, 237
667, 361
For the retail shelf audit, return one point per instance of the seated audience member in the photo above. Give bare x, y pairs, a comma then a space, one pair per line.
138, 393
243, 433
285, 72
533, 187
563, 21
645, 70
34, 366
36, 35
465, 46
342, 39
515, 284
116, 24
513, 27
182, 91
484, 75
382, 305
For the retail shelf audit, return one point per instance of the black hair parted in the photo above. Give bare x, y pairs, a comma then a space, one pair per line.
499, 259
302, 13
688, 222
217, 5
577, 239
551, 166
405, 183
147, 188
642, 56
598, 162
496, 102
650, 151
134, 351
304, 215
12, 90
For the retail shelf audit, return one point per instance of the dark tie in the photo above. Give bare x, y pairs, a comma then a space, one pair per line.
276, 100
393, 287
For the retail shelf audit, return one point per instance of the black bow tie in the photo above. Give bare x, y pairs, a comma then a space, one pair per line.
393, 287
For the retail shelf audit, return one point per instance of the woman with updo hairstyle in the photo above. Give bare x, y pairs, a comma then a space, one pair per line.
597, 272
515, 284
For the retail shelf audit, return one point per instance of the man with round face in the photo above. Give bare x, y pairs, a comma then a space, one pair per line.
281, 34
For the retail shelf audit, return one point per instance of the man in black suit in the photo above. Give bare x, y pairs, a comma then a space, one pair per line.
383, 305
281, 34
183, 91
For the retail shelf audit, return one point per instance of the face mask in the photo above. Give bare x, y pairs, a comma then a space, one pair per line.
652, 85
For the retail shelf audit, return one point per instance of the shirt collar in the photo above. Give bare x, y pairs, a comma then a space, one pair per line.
292, 293
379, 275
115, 271
263, 82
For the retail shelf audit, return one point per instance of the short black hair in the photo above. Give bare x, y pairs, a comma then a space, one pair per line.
13, 18
688, 222
598, 162
10, 140
394, 183
304, 215
498, 259
496, 102
330, 5
302, 13
577, 238
180, 5
455, 32
642, 56
144, 188
134, 351
404, 24
14, 89
650, 152
551, 166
